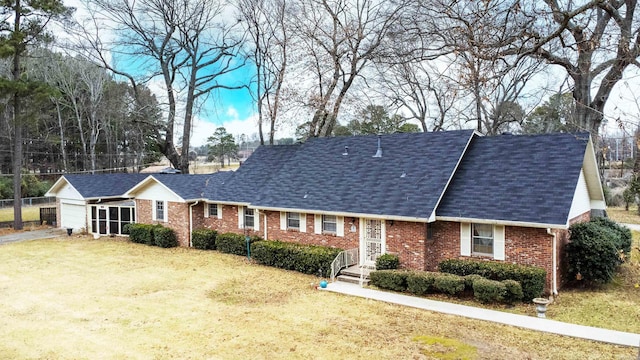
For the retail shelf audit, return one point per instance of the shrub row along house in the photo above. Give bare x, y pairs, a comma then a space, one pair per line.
426, 197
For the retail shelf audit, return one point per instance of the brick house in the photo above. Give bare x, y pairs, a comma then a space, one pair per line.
425, 197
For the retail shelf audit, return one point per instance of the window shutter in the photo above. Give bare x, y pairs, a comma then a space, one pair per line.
256, 220
317, 223
219, 211
154, 210
240, 217
498, 242
206, 210
283, 220
465, 239
340, 225
303, 222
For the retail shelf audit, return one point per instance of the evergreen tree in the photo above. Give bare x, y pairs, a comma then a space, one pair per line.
22, 26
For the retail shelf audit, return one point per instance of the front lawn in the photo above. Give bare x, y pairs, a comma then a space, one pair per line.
111, 299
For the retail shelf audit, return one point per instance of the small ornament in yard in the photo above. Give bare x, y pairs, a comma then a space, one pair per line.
578, 276
541, 306
323, 284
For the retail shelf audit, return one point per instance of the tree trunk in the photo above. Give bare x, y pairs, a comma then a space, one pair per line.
17, 139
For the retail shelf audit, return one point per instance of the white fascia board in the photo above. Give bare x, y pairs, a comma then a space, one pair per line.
53, 191
345, 214
591, 173
148, 181
502, 222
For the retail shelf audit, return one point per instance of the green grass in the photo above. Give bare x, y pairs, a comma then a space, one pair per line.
78, 298
31, 213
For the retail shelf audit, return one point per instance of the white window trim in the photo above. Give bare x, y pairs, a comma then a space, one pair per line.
466, 242
284, 223
241, 212
218, 210
154, 210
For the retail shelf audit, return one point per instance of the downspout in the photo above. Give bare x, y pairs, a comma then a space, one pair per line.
265, 225
554, 275
191, 221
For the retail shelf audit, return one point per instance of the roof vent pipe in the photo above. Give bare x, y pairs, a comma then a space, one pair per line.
379, 151
346, 150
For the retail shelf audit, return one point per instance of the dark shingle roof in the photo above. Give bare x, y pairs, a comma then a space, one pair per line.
192, 186
517, 178
245, 184
317, 176
104, 185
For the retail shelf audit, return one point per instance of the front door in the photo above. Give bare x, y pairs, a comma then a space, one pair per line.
372, 241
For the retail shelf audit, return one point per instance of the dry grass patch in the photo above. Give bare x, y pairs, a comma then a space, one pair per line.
30, 213
77, 298
621, 215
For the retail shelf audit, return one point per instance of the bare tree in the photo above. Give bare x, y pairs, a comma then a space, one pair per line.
416, 86
340, 39
268, 50
188, 44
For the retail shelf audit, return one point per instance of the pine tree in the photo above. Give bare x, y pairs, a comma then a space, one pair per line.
22, 27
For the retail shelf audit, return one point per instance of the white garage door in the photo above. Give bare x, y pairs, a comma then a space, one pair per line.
73, 216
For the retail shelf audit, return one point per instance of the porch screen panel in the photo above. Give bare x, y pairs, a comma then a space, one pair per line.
114, 224
125, 217
94, 220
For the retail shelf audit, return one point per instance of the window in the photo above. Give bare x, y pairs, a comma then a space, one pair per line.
329, 224
160, 211
482, 239
248, 218
293, 221
213, 210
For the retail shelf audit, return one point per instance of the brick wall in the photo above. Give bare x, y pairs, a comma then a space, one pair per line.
177, 218
350, 240
228, 223
407, 240
525, 246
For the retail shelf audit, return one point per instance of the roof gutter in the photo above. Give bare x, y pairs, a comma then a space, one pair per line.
503, 222
191, 222
345, 214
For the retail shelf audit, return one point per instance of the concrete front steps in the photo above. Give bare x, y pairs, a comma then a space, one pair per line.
352, 275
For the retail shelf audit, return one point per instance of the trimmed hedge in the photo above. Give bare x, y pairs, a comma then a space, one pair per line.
164, 237
153, 235
395, 280
421, 282
204, 239
387, 262
531, 278
236, 244
307, 259
513, 292
449, 284
487, 291
141, 233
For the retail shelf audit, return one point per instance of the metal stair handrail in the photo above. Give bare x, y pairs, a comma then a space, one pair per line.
344, 259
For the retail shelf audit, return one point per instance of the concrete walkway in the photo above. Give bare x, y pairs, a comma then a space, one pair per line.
523, 321
32, 235
635, 227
